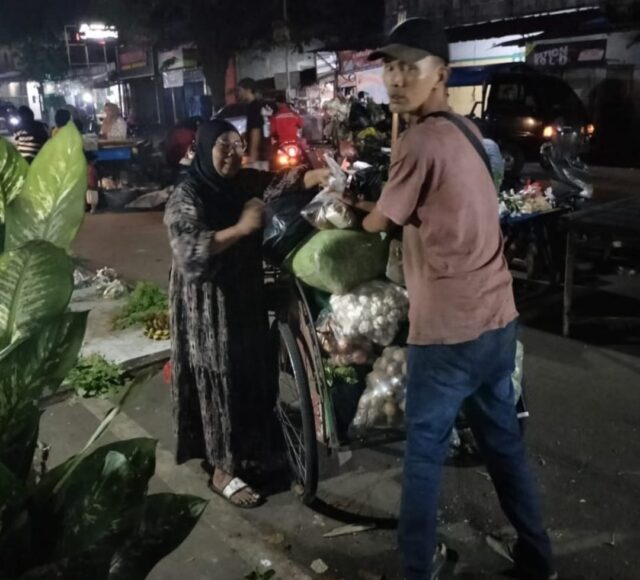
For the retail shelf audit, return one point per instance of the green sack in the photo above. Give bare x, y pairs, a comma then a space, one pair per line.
337, 261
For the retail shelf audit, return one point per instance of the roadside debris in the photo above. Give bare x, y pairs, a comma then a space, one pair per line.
484, 474
274, 539
348, 530
499, 547
612, 542
319, 566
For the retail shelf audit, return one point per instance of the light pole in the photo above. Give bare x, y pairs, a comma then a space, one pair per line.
286, 45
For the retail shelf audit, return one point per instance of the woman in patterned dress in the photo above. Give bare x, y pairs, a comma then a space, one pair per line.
220, 374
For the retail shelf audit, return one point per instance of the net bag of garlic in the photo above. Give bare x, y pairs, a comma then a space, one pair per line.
373, 310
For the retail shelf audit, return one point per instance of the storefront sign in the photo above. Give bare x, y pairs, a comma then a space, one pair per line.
568, 53
97, 32
135, 62
352, 61
172, 79
184, 57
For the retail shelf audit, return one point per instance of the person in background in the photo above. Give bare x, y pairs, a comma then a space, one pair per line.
92, 196
257, 145
30, 134
179, 140
493, 151
61, 118
114, 127
285, 123
462, 314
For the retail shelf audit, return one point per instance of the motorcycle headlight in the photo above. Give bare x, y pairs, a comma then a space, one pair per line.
549, 132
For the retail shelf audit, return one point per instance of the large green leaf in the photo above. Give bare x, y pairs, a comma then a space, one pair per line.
41, 361
91, 565
13, 172
166, 522
36, 282
12, 492
52, 204
18, 439
103, 497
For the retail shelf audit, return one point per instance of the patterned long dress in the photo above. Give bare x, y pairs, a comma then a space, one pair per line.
220, 370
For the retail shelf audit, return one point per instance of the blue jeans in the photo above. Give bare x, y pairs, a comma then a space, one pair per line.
441, 378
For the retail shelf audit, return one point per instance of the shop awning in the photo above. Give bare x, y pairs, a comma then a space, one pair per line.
563, 23
470, 76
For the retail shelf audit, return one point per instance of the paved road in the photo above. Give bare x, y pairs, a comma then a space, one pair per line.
584, 441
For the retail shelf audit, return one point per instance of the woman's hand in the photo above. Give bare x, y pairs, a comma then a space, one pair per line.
316, 178
252, 217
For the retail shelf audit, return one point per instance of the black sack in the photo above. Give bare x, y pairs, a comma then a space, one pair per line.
284, 227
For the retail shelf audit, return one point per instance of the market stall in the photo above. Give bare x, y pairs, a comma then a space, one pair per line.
125, 171
614, 225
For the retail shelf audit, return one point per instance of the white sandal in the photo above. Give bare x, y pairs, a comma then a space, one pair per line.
232, 488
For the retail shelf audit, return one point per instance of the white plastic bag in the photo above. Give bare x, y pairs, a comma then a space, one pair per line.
342, 351
395, 268
326, 212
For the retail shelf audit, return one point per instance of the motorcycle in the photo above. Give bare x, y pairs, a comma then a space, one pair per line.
572, 181
288, 155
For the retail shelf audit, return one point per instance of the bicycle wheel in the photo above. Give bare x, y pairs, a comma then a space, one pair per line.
294, 410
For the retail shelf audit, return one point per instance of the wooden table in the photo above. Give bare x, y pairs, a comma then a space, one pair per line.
615, 222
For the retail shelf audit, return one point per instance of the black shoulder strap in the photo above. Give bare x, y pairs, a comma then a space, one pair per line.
468, 133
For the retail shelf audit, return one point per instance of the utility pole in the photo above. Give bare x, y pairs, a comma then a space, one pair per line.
285, 16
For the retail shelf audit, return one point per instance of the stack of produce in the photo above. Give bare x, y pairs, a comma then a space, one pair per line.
342, 351
530, 199
336, 261
373, 310
157, 327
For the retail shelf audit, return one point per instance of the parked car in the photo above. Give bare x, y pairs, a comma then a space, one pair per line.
522, 109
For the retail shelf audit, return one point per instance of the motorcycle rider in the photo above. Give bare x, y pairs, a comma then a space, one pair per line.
285, 123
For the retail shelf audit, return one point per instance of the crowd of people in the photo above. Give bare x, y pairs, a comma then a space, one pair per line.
30, 135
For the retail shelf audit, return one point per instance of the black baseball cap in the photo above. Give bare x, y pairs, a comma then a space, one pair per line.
413, 40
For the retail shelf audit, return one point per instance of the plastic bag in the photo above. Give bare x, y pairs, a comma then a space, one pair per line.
395, 269
383, 401
342, 351
337, 261
374, 310
326, 212
367, 183
285, 227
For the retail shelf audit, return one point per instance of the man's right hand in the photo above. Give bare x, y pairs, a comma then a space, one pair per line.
252, 217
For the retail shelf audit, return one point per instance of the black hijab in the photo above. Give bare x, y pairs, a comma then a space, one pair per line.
222, 197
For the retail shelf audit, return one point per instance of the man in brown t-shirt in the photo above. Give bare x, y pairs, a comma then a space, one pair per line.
462, 338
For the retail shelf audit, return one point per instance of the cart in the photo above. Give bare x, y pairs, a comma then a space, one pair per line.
305, 405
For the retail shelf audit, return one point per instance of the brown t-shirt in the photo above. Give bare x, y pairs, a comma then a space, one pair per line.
439, 189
